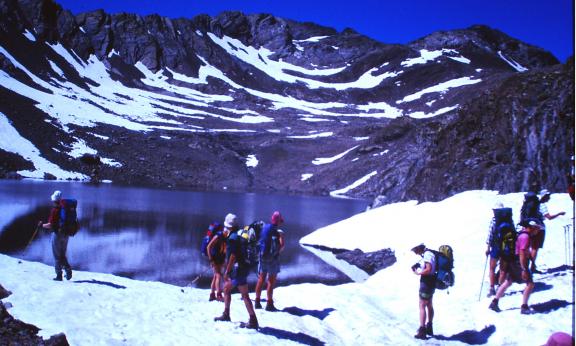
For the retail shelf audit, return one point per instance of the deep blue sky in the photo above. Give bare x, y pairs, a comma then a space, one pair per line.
548, 24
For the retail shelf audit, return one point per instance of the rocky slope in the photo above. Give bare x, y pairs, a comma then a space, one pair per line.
186, 103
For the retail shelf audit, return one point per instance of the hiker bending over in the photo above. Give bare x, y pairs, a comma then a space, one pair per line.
216, 251
426, 268
59, 238
236, 273
518, 271
271, 244
538, 240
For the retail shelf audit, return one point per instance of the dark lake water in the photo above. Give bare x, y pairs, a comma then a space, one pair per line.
155, 234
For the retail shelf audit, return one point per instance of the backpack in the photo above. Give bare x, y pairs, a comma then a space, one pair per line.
444, 265
248, 242
213, 229
504, 233
68, 217
270, 241
531, 207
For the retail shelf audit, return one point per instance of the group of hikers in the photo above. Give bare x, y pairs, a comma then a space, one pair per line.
234, 252
513, 250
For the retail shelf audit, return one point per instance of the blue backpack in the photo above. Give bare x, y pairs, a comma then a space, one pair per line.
68, 217
444, 266
269, 241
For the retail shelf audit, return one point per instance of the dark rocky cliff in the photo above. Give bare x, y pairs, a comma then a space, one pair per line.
508, 126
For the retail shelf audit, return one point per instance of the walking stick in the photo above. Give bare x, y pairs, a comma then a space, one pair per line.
483, 276
33, 235
200, 275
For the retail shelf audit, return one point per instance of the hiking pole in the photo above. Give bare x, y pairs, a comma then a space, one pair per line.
566, 243
199, 276
483, 276
33, 235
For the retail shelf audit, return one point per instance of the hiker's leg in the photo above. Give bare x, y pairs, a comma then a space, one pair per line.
218, 278
430, 309
502, 289
533, 255
270, 287
259, 285
64, 249
243, 289
422, 307
527, 292
492, 273
57, 253
227, 294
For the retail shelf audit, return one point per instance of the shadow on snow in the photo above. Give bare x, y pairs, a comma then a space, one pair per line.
103, 283
319, 314
297, 337
470, 337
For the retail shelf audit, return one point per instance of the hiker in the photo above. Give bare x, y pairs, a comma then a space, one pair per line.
216, 252
426, 268
501, 242
271, 244
59, 238
538, 240
518, 271
236, 274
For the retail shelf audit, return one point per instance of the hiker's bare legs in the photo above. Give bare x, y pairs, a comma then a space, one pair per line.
227, 295
533, 254
259, 285
502, 289
246, 298
527, 292
426, 309
270, 287
216, 286
492, 274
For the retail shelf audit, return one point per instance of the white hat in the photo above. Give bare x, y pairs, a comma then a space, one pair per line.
544, 192
56, 196
230, 220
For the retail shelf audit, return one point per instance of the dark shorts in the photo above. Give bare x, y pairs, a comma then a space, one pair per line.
269, 265
514, 272
239, 275
537, 241
219, 259
427, 287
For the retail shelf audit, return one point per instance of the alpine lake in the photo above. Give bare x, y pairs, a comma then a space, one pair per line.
155, 234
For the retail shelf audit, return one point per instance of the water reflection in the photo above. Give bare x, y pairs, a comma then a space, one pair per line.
153, 234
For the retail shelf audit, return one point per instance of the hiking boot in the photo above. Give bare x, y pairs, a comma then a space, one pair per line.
270, 307
525, 310
224, 318
491, 292
494, 305
58, 278
251, 324
421, 333
68, 274
257, 304
212, 297
429, 330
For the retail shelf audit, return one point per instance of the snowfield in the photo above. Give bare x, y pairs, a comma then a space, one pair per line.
103, 309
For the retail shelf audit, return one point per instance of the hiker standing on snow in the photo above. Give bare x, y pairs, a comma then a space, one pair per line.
236, 273
538, 240
59, 238
498, 244
271, 244
426, 268
518, 271
216, 251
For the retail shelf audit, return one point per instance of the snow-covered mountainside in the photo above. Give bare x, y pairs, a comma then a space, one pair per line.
260, 103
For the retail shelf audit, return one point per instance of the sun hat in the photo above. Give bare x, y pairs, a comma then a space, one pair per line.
419, 248
276, 218
56, 196
230, 220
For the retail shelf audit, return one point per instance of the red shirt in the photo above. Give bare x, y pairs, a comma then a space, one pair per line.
54, 218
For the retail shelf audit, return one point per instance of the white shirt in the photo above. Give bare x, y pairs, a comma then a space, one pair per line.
429, 257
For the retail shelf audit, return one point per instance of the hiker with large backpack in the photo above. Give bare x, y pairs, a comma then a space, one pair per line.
538, 240
426, 268
518, 271
214, 247
236, 272
501, 243
271, 244
62, 223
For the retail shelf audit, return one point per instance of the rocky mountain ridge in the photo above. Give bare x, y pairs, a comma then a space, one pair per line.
260, 103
